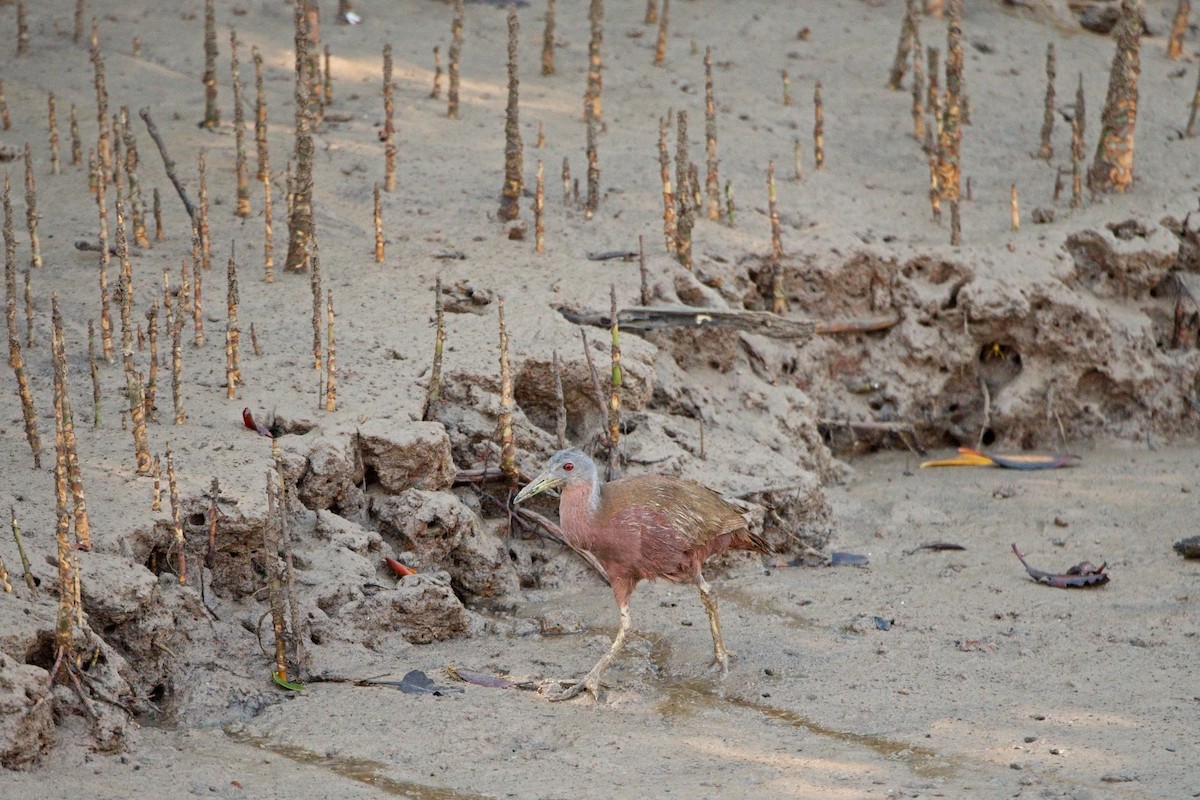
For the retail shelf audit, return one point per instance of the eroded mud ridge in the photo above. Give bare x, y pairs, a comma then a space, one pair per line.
1102, 343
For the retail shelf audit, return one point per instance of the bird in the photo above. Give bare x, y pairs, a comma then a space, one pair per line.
641, 528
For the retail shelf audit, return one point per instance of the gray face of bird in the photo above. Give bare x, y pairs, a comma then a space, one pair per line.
565, 466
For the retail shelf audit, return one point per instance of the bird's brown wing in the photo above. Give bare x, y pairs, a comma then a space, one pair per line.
696, 512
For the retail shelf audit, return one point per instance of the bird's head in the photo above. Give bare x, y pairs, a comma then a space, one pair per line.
564, 467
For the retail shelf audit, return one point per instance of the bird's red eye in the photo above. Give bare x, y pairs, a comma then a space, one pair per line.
567, 467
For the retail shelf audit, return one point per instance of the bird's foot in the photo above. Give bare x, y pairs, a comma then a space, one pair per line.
721, 661
590, 683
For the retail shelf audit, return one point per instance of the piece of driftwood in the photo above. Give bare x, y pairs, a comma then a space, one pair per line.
882, 322
168, 163
646, 318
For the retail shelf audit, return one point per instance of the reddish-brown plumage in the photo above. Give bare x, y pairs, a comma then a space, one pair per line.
641, 528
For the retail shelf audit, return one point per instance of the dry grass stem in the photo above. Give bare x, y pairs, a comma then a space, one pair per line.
1014, 211
300, 211
455, 58
1046, 150
434, 394
686, 217
389, 109
615, 378
514, 180
539, 205
595, 82
52, 118
202, 218
660, 45
1190, 130
242, 209
15, 358
712, 180
315, 285
1112, 166
233, 367
94, 370
28, 309
330, 357
26, 571
1179, 26
378, 220
508, 448
212, 114
818, 129
197, 292
548, 40
65, 427
176, 517
158, 223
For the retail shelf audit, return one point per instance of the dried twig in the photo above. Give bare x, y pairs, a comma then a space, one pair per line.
455, 56
510, 192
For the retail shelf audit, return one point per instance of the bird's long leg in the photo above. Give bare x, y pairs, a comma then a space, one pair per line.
591, 681
720, 654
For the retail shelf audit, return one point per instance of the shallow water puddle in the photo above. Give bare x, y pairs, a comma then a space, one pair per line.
355, 769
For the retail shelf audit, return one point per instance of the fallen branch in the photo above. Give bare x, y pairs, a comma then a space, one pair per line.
645, 318
168, 164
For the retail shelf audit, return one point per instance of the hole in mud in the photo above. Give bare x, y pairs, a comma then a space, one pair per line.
988, 438
197, 520
158, 693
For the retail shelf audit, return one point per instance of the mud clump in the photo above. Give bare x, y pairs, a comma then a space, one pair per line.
421, 609
26, 715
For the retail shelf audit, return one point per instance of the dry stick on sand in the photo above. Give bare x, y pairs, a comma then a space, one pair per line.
712, 180
327, 79
660, 45
300, 218
455, 57
434, 394
787, 86
268, 233
94, 369
595, 82
25, 568
778, 299
508, 448
233, 367
330, 357
254, 341
66, 580
137, 205
593, 165
1046, 150
907, 41
539, 207
1077, 146
152, 373
158, 223
918, 88
514, 181
28, 310
560, 414
212, 114
156, 495
198, 297
15, 359
1112, 166
378, 219
1190, 130
614, 396
668, 194
315, 285
686, 213
436, 92
52, 119
31, 215
106, 340
134, 386
76, 143
103, 148
818, 128
176, 321
1014, 211
176, 517
168, 163
949, 167
643, 274
202, 218
260, 115
389, 131
242, 209
5, 119
547, 41
1179, 25
65, 420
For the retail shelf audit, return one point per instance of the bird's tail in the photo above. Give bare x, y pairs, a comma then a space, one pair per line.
746, 539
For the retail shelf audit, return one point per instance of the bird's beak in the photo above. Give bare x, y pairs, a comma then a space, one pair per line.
538, 485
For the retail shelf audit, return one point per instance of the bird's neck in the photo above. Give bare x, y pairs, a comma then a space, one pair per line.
577, 507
